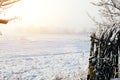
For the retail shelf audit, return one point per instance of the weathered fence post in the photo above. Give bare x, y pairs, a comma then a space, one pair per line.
91, 73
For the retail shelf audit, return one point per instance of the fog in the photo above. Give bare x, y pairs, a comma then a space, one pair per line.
50, 16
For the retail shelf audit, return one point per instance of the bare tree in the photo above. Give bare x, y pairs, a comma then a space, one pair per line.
3, 4
110, 12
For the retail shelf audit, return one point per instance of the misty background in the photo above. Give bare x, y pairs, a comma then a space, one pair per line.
50, 16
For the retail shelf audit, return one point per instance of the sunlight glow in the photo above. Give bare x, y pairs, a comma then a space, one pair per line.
26, 9
48, 16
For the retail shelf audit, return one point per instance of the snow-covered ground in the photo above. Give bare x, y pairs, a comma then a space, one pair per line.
44, 57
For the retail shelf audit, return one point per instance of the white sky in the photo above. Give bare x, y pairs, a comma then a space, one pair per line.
66, 14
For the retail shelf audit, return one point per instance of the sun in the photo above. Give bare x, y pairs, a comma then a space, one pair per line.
27, 10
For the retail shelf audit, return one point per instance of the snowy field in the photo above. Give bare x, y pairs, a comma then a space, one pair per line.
44, 57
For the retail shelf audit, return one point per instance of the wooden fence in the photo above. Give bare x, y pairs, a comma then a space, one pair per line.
104, 55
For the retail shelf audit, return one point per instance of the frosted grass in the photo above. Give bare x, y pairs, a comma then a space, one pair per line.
48, 57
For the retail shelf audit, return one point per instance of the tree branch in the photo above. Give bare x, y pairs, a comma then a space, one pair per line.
9, 2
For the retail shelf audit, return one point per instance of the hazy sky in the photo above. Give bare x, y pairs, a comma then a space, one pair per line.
59, 14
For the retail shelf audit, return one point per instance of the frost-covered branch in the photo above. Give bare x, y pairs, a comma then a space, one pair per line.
109, 10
